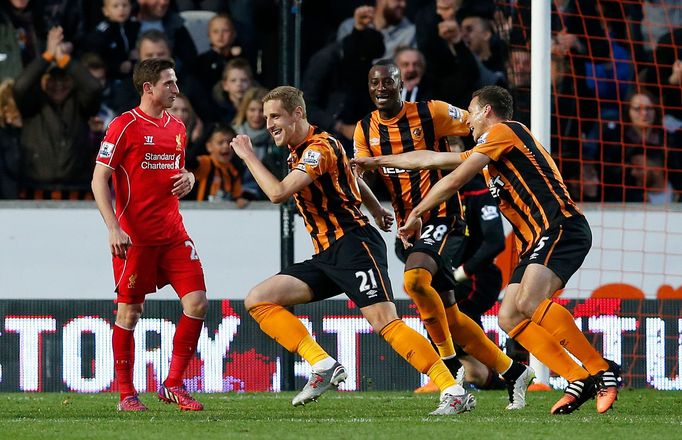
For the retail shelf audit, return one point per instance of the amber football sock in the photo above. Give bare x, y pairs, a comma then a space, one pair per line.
286, 329
473, 340
560, 323
123, 344
431, 309
543, 346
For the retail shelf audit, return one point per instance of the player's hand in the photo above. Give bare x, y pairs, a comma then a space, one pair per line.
363, 17
184, 182
383, 219
411, 229
362, 164
119, 243
241, 144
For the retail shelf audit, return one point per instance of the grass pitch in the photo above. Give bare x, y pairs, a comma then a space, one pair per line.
638, 414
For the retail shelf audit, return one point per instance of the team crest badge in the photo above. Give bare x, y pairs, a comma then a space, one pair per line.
178, 142
132, 280
417, 133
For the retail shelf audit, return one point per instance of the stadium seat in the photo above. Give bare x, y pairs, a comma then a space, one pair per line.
196, 23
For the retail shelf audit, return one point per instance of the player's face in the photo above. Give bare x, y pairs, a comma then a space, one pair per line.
384, 88
117, 11
219, 147
477, 121
221, 33
254, 114
280, 123
166, 89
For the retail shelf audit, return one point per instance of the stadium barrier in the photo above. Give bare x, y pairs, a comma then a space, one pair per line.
66, 345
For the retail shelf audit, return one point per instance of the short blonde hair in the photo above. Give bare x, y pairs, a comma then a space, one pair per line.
291, 98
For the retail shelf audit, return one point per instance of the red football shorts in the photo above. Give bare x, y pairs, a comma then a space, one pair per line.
147, 268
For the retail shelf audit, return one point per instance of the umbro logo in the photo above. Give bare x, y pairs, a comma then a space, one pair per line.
149, 140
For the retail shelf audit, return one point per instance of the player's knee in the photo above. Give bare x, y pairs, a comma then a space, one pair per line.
198, 307
254, 297
416, 281
507, 321
128, 318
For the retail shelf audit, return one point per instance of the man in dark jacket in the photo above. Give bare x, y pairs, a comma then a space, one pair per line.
56, 95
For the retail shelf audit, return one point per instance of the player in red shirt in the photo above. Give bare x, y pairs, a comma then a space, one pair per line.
144, 151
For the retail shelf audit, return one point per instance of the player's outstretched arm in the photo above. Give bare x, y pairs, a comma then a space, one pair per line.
442, 191
413, 160
382, 217
276, 190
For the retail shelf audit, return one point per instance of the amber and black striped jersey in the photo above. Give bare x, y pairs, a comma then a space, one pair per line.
418, 126
215, 180
525, 181
330, 205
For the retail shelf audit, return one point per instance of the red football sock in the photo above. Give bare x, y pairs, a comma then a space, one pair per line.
184, 345
123, 343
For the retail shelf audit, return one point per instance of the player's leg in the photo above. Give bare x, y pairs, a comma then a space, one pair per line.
419, 270
267, 304
419, 353
135, 277
179, 265
539, 342
123, 344
363, 275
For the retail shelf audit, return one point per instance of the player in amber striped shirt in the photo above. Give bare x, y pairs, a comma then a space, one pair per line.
397, 127
350, 255
552, 234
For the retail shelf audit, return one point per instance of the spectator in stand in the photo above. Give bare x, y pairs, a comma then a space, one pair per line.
210, 64
10, 142
387, 17
335, 84
641, 129
184, 111
250, 121
154, 44
648, 179
217, 177
99, 122
114, 38
228, 93
583, 181
21, 34
451, 64
518, 73
155, 14
56, 96
478, 34
416, 85
665, 79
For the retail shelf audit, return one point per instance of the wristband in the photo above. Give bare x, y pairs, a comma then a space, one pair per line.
460, 274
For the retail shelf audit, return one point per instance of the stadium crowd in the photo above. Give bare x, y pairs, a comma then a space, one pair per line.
66, 72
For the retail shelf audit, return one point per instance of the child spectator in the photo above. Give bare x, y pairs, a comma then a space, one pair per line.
210, 64
250, 121
228, 93
217, 178
114, 38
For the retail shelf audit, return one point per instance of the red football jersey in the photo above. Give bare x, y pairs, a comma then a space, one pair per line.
144, 153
